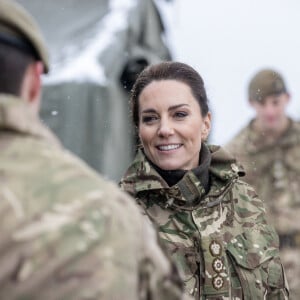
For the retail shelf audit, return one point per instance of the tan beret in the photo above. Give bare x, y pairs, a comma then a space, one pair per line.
265, 83
18, 28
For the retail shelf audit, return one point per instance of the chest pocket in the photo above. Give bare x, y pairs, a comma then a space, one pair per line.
255, 259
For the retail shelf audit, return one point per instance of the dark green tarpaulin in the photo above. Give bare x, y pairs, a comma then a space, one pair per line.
89, 110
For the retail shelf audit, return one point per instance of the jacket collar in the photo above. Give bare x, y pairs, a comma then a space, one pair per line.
141, 177
256, 140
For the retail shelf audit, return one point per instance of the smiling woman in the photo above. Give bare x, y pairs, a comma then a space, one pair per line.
213, 224
169, 129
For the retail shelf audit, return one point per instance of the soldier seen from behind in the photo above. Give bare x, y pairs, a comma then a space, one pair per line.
65, 233
213, 224
269, 149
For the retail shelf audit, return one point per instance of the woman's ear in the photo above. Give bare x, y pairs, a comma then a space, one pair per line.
206, 126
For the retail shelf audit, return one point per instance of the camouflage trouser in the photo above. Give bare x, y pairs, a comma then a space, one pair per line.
291, 261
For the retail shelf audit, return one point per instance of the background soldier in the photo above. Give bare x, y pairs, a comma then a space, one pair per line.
269, 149
65, 233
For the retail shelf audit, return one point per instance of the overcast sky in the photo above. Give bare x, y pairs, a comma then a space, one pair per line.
227, 42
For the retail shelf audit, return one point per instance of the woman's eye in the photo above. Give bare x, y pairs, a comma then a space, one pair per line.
148, 119
181, 114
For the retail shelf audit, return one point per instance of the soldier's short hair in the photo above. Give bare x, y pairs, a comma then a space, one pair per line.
21, 43
19, 29
13, 64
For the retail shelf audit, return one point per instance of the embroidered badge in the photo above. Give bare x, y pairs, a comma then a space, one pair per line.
218, 282
217, 265
215, 248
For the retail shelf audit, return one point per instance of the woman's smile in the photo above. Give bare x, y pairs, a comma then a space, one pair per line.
168, 147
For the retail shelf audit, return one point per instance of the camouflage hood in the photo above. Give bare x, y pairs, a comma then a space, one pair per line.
16, 116
141, 177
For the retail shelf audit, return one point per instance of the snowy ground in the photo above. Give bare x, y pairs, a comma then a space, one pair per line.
227, 42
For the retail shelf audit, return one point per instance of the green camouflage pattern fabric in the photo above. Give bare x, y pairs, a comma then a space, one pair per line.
65, 232
273, 169
221, 241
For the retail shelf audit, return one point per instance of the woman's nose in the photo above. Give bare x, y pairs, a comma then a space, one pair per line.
165, 128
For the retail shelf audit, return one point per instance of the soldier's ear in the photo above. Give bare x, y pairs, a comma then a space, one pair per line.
32, 86
288, 97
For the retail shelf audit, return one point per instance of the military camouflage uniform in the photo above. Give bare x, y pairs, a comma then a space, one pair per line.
274, 171
65, 233
220, 240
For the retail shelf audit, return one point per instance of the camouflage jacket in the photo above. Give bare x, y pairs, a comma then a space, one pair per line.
222, 245
66, 233
274, 171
